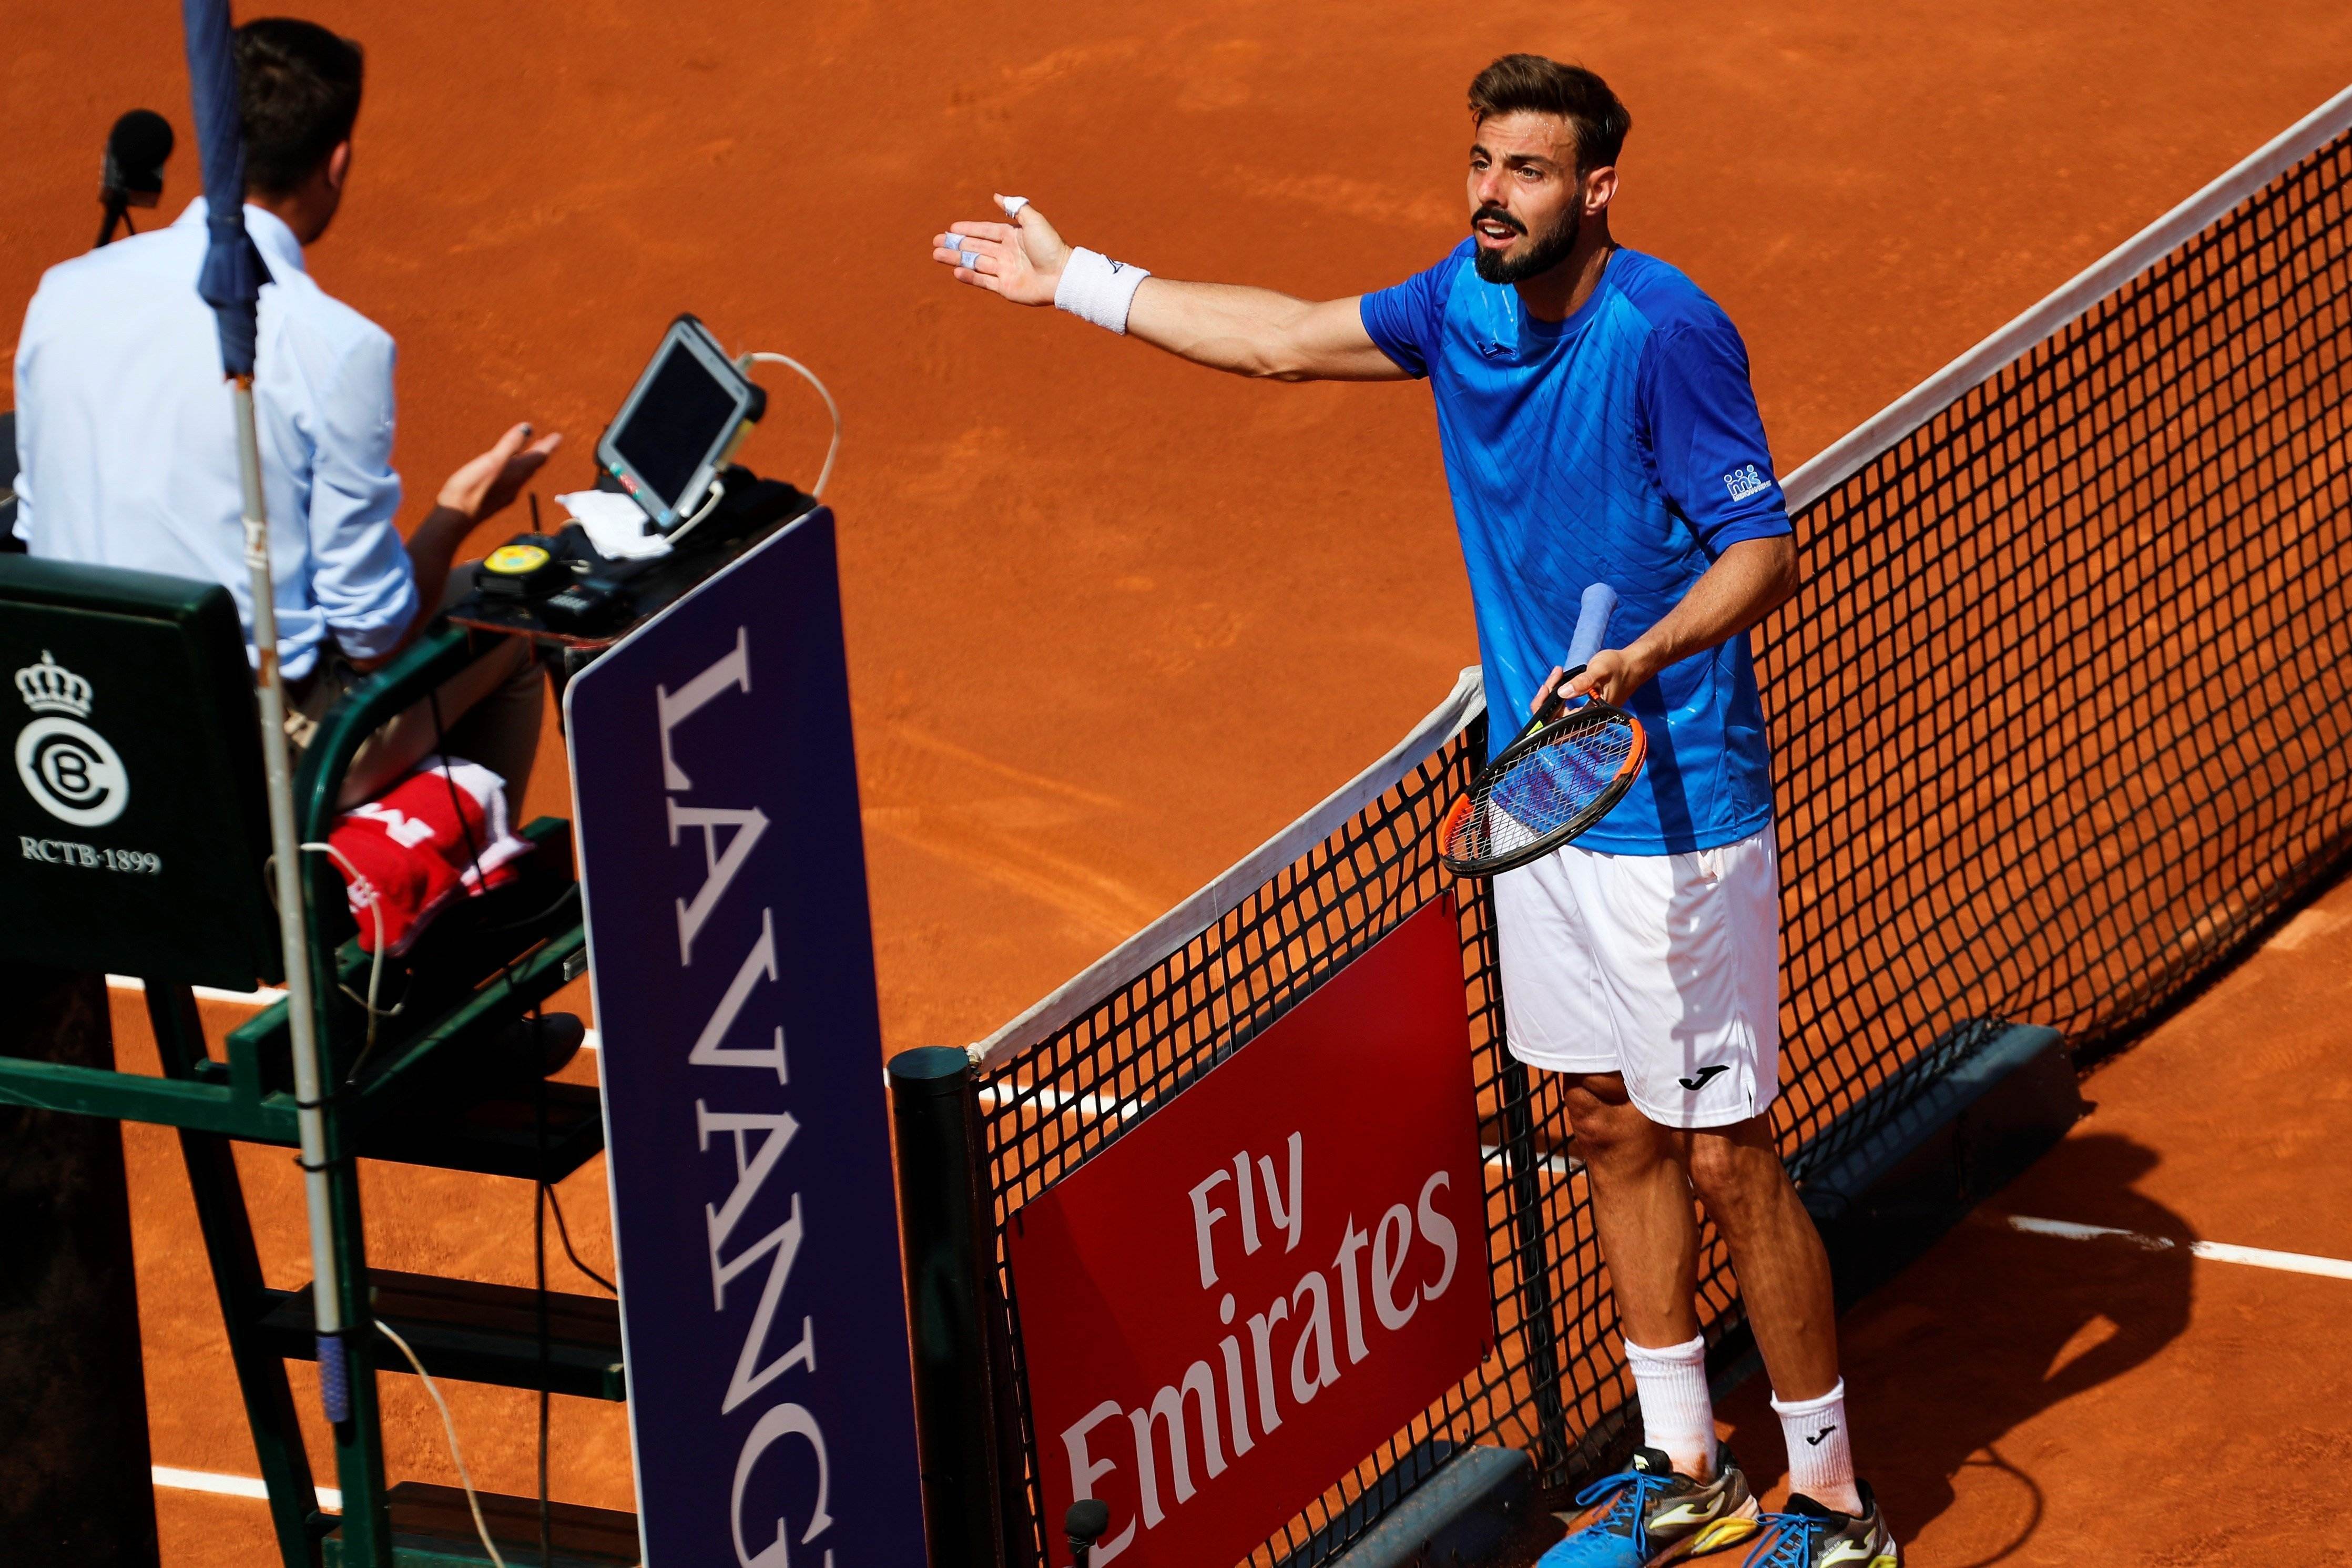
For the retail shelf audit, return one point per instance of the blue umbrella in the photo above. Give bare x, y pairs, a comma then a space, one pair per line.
231, 284
233, 275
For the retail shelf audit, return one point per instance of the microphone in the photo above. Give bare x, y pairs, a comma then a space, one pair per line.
1085, 1524
132, 176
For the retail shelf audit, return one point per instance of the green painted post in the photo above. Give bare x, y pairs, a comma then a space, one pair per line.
228, 1227
359, 1442
942, 1224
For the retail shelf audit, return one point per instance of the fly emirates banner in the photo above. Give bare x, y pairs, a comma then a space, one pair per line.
1239, 1300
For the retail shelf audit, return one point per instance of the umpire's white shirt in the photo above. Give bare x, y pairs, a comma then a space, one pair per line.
127, 450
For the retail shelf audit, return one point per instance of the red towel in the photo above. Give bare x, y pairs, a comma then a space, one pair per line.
439, 832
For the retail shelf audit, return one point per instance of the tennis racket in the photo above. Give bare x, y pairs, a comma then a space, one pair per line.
1566, 770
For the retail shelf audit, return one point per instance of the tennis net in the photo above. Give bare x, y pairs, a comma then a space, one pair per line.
2060, 717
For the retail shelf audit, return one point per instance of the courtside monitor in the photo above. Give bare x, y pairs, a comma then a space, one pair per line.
681, 425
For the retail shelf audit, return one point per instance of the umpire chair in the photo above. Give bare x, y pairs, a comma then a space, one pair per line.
136, 842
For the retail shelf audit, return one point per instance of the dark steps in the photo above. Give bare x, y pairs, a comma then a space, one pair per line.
470, 1331
433, 1528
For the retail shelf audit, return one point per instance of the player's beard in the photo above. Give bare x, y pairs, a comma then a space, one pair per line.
1549, 250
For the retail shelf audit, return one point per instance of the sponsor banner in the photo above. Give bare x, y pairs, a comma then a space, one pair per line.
771, 1405
1237, 1301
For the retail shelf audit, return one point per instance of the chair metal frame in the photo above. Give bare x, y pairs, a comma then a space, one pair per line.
214, 1103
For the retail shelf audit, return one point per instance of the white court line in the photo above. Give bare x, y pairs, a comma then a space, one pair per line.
2218, 1251
269, 995
232, 1486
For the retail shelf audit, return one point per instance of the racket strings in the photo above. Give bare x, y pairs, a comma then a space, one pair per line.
1562, 778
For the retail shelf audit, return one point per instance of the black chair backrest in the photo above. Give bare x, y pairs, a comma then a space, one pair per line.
134, 831
9, 542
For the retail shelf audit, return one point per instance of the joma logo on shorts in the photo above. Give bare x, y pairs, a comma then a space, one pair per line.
1745, 482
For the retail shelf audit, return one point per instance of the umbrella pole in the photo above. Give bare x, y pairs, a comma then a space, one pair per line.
302, 1015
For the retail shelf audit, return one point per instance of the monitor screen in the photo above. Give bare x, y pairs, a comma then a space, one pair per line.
683, 414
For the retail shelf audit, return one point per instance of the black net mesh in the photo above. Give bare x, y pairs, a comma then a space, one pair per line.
2058, 720
2060, 714
1049, 1109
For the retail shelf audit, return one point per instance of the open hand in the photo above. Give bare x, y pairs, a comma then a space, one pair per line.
490, 484
1021, 260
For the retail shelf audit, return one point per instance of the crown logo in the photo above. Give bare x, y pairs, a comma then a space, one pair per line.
49, 687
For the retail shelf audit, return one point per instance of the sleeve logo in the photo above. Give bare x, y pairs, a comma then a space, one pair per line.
1743, 482
67, 765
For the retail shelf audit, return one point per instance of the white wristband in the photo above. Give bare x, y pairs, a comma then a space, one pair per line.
1098, 290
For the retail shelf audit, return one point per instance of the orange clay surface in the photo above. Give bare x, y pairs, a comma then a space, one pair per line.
1113, 619
2031, 1400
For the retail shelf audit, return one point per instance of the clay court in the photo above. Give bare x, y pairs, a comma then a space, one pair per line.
1113, 620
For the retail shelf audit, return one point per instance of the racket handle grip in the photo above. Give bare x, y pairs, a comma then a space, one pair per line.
1592, 624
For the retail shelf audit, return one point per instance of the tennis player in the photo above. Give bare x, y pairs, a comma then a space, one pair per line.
1598, 425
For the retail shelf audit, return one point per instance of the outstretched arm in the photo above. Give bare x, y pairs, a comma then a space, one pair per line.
1225, 326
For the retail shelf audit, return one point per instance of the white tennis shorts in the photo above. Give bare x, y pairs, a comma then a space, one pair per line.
1665, 968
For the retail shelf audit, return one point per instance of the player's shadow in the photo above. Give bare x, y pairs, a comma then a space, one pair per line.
1992, 1327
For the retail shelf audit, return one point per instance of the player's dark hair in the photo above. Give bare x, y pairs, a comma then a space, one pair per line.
1532, 84
298, 87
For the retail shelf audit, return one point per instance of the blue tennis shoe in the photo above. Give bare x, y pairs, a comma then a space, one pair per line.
1647, 1515
1811, 1536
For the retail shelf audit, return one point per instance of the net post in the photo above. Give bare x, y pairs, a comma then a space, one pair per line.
1533, 1259
935, 1118
1530, 1252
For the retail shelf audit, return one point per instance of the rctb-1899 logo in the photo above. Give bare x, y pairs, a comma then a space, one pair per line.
67, 765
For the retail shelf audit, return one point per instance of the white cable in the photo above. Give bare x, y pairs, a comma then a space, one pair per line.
374, 902
718, 489
834, 447
375, 971
450, 1427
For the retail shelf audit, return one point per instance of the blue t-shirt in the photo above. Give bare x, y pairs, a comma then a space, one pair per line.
1621, 446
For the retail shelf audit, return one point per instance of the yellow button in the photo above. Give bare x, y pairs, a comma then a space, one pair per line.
516, 560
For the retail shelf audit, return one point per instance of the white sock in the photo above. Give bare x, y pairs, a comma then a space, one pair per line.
1821, 1452
1677, 1413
